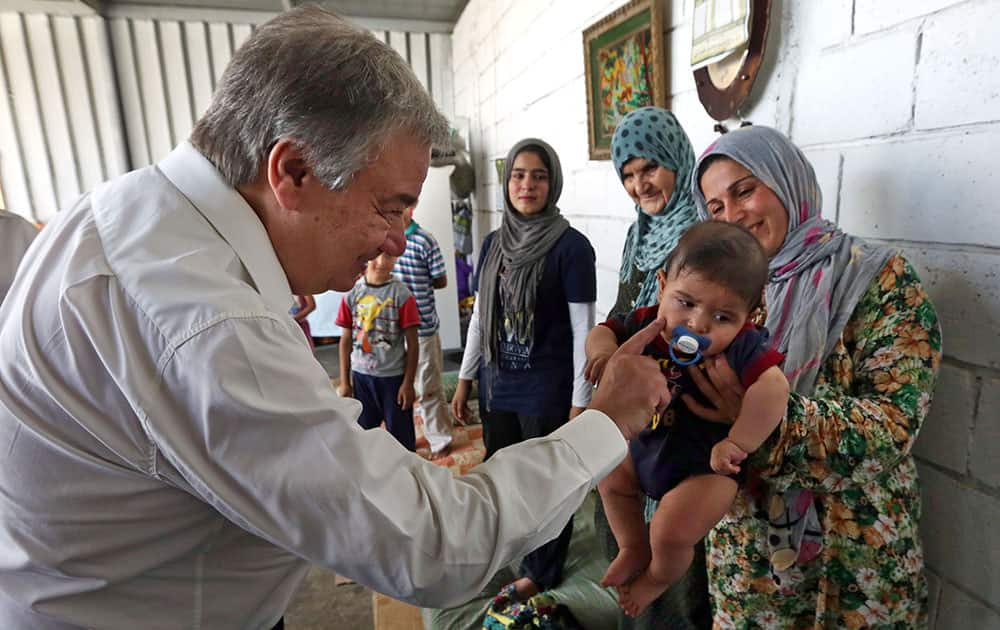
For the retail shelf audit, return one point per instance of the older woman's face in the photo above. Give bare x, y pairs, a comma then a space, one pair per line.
648, 184
734, 195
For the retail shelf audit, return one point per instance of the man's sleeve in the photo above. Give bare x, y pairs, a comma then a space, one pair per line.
269, 444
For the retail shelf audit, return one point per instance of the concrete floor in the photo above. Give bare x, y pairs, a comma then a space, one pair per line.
321, 604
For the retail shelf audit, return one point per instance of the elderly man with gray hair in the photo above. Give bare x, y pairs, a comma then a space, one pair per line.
167, 461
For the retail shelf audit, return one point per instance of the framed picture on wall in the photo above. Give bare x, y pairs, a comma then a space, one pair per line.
624, 68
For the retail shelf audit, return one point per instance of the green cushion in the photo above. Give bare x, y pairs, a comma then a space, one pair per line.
592, 604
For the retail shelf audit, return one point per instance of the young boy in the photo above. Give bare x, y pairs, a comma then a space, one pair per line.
421, 269
376, 366
710, 284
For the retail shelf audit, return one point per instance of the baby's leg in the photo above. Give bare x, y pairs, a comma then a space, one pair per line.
623, 506
685, 516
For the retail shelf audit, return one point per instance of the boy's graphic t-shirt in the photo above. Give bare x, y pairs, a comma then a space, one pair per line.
377, 314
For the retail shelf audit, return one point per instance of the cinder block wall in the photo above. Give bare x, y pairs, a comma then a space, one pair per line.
898, 106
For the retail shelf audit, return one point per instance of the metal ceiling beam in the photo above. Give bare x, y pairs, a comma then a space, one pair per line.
115, 9
186, 14
51, 7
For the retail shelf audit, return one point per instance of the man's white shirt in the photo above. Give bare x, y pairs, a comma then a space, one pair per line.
173, 455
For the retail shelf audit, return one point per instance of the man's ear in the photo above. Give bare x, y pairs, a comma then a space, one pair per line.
287, 173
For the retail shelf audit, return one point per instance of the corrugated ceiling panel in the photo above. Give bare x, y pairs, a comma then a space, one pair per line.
16, 195
199, 66
175, 77
27, 115
133, 114
221, 47
55, 121
80, 108
83, 99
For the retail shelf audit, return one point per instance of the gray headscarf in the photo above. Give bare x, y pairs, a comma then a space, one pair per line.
519, 249
820, 273
653, 133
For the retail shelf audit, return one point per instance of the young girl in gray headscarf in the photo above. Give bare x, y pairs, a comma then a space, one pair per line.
862, 345
535, 304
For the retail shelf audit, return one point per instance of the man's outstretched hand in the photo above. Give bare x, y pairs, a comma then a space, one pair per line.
632, 387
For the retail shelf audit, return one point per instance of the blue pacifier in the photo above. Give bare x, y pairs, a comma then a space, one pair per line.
686, 347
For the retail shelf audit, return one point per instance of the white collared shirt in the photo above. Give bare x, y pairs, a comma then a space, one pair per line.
173, 455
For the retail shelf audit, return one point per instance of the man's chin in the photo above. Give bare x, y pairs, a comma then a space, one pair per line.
342, 285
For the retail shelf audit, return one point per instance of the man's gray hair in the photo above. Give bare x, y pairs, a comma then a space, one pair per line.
330, 87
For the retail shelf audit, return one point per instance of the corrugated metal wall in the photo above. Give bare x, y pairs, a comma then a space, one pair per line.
84, 98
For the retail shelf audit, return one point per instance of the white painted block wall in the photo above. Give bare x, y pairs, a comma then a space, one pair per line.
898, 106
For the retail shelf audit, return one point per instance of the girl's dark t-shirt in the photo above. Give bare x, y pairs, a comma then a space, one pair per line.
539, 382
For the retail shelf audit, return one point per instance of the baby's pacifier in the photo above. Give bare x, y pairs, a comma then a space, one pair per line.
686, 347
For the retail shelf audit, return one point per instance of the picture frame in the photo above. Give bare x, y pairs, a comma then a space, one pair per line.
624, 69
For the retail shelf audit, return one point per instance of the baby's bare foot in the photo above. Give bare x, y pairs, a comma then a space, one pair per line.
639, 594
628, 562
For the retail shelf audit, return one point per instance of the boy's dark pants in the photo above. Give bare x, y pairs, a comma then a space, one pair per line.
377, 395
503, 428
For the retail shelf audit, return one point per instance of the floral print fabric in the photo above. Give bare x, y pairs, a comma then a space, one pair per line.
850, 444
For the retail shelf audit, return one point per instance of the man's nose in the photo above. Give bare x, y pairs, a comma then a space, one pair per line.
395, 242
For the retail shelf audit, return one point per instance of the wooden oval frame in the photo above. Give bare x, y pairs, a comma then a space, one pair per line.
723, 103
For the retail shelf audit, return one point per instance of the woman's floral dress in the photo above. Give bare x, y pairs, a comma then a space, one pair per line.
850, 444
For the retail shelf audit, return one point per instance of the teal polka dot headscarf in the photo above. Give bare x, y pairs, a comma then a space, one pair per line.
653, 133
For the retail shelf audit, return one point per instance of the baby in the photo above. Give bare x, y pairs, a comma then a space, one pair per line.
709, 285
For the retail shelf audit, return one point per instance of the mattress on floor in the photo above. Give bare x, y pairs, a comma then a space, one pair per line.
593, 605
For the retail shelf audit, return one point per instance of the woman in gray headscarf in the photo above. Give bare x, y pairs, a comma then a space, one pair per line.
535, 304
830, 538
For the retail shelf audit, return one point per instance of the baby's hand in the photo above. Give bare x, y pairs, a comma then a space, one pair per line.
726, 457
595, 367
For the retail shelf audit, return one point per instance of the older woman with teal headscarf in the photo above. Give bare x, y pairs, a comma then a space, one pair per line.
653, 157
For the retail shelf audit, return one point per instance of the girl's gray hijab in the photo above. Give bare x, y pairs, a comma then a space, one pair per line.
820, 273
519, 248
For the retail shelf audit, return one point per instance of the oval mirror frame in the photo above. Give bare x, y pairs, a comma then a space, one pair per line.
724, 85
